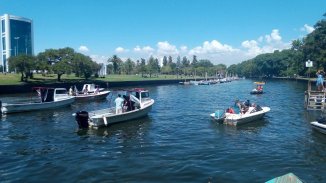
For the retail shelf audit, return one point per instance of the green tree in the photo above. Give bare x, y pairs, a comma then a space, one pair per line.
194, 62
185, 62
23, 64
116, 62
165, 61
128, 66
142, 66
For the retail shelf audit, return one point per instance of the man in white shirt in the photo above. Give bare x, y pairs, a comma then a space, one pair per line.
118, 104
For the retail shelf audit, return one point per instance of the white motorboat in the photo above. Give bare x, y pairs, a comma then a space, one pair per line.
138, 98
253, 114
91, 88
319, 126
47, 98
92, 96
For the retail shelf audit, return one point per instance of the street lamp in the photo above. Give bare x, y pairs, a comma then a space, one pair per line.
16, 38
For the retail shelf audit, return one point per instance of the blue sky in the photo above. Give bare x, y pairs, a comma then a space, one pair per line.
225, 32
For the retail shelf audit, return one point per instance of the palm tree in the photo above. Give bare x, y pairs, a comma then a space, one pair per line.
116, 62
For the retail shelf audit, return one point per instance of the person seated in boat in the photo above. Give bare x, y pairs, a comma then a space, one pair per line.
97, 91
247, 103
245, 106
71, 92
237, 107
230, 110
259, 88
118, 104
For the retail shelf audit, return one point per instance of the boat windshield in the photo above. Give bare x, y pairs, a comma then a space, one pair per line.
144, 95
61, 91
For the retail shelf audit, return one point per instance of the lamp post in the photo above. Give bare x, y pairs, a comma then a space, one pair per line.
16, 38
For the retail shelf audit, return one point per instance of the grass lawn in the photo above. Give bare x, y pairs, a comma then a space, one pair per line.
14, 79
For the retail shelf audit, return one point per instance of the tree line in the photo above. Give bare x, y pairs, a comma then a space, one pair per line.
152, 67
56, 61
289, 62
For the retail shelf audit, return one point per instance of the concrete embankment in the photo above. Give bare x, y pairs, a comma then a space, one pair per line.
25, 88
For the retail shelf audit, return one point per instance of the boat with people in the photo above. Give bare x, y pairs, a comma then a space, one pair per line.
91, 88
319, 125
47, 98
258, 89
92, 96
98, 94
247, 113
139, 104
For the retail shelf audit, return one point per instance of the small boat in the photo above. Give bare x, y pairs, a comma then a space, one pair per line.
184, 83
91, 88
258, 89
48, 98
319, 125
193, 82
253, 114
92, 96
140, 100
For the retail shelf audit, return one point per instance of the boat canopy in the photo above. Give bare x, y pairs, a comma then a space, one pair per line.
259, 83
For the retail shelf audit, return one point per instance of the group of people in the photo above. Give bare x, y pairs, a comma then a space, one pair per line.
123, 104
240, 107
73, 90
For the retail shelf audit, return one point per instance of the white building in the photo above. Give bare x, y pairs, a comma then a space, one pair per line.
16, 38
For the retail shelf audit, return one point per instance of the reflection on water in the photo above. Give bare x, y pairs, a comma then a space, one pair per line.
177, 142
128, 130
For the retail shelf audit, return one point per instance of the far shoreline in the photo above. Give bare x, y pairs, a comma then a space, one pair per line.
26, 87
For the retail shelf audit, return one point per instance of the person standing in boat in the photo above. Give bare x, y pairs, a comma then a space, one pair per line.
320, 80
118, 104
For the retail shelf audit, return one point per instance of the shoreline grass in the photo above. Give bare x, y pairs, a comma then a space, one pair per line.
14, 79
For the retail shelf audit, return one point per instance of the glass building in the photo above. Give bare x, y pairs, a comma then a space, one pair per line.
16, 38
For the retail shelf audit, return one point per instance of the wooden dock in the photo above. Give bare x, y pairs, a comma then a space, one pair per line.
315, 100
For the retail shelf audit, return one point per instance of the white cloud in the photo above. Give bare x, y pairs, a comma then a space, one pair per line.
307, 28
145, 49
212, 47
271, 43
274, 36
165, 48
120, 50
183, 49
83, 48
99, 59
213, 50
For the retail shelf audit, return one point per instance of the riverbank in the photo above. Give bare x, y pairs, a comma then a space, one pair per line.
26, 87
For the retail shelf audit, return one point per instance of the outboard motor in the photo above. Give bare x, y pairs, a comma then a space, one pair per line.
82, 119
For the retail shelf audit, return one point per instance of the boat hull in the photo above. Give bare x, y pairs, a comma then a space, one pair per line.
25, 107
256, 92
239, 119
92, 96
318, 126
108, 117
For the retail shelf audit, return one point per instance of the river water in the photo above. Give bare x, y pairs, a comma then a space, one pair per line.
177, 142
